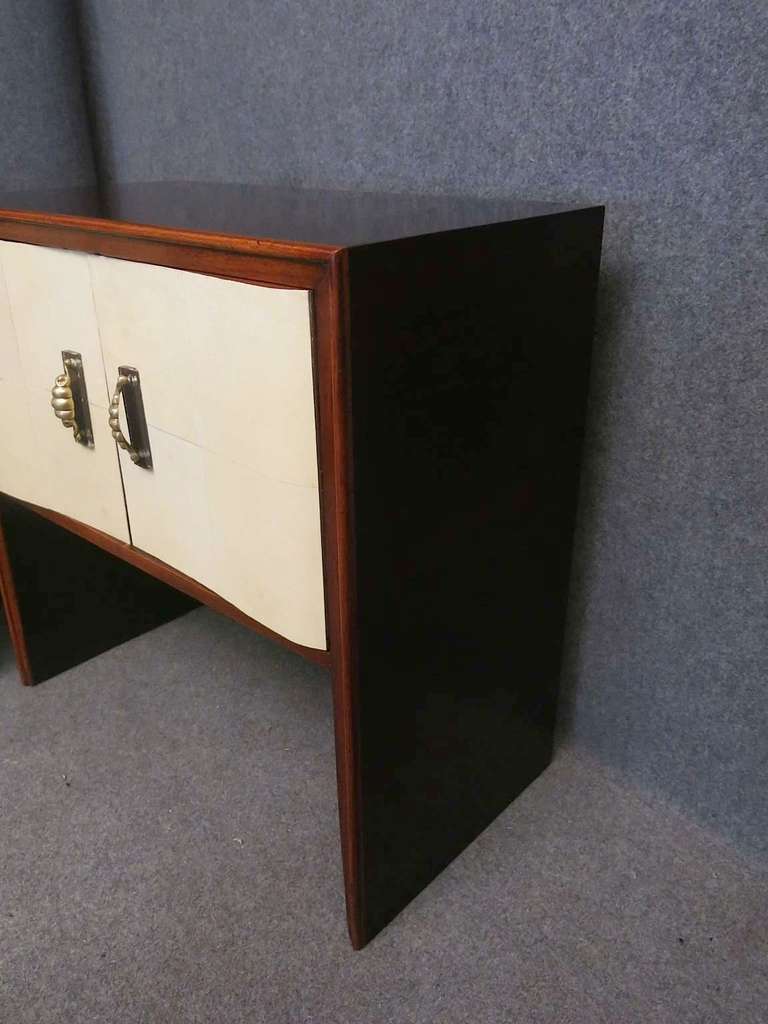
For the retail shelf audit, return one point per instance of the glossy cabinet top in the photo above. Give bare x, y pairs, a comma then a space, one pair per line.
315, 216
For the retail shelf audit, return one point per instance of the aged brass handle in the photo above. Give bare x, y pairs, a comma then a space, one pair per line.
69, 399
114, 419
128, 388
62, 401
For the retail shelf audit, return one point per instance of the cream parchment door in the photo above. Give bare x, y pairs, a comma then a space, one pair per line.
46, 307
227, 387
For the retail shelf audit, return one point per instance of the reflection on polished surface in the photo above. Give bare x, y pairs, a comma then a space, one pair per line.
319, 216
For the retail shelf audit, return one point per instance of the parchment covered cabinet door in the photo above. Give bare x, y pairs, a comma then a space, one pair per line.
225, 373
46, 309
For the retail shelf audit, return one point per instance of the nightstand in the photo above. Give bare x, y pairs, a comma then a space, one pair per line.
350, 421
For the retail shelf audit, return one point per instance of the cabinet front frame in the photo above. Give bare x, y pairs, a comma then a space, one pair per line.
312, 268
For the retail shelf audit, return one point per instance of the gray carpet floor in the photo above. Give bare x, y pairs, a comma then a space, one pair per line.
168, 853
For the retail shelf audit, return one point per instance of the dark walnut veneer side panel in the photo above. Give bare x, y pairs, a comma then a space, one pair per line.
469, 361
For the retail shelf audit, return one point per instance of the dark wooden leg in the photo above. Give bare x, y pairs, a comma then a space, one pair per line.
450, 736
13, 612
66, 600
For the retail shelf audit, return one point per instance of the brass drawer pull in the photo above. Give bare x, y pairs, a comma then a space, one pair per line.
129, 387
69, 399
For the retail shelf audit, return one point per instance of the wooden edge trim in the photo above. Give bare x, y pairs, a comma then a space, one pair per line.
305, 252
167, 574
331, 306
13, 614
247, 263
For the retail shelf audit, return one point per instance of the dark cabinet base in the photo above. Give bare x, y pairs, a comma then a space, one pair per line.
66, 600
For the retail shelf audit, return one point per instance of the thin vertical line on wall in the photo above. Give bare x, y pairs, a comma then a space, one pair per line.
95, 136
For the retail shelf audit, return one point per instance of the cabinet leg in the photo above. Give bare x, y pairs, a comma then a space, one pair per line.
66, 600
440, 762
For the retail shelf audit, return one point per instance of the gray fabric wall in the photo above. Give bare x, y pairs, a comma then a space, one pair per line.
657, 109
44, 133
